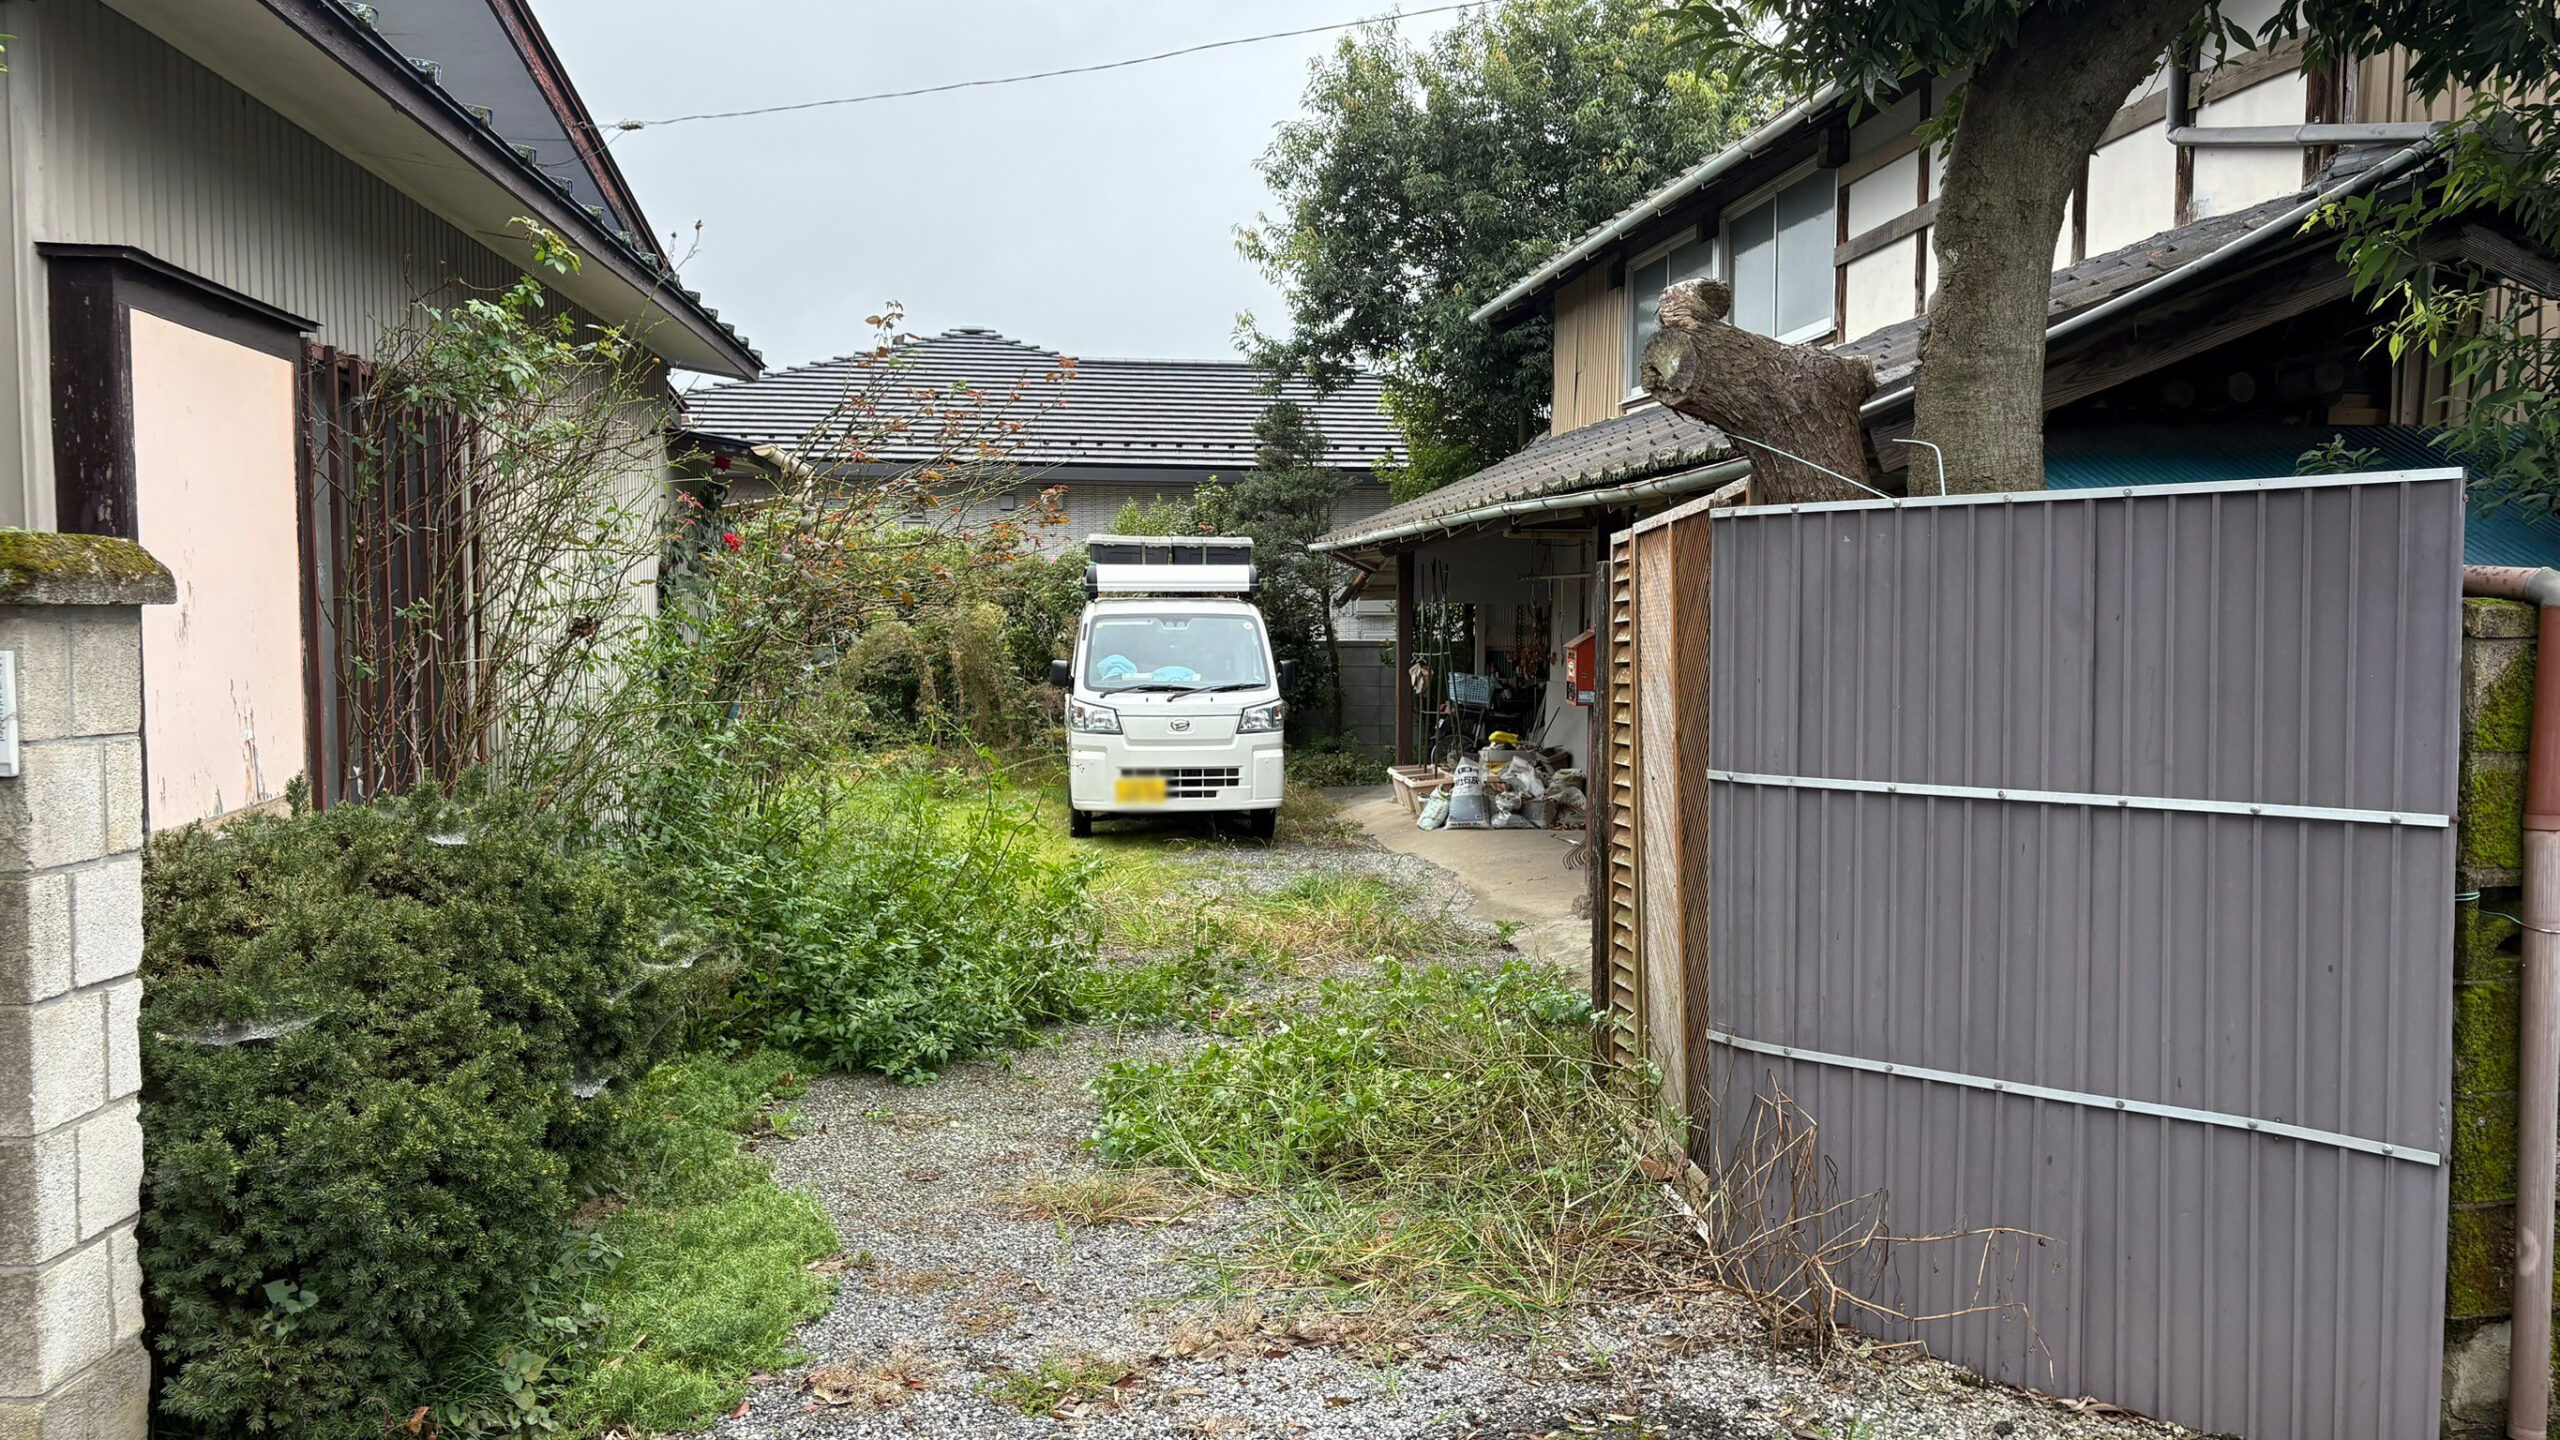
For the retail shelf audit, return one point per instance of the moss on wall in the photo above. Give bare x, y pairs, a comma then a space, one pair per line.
41, 567
2480, 1262
2502, 707
2492, 812
2484, 936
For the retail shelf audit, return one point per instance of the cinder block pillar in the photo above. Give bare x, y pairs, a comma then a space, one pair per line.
72, 1362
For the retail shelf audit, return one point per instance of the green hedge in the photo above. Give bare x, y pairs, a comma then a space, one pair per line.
366, 1036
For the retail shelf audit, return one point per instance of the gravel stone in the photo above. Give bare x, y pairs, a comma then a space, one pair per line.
948, 1278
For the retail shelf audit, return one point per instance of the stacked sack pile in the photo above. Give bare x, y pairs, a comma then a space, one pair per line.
1509, 787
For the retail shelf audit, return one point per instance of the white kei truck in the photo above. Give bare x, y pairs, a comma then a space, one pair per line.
1173, 700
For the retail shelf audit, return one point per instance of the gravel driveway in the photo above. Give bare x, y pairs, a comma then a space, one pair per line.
950, 1288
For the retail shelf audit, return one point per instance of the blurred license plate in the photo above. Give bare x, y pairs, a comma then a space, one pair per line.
1141, 790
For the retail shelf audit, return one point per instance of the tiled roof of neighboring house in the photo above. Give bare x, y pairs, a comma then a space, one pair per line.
1655, 442
1190, 415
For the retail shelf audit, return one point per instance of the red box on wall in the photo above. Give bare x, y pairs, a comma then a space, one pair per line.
1581, 670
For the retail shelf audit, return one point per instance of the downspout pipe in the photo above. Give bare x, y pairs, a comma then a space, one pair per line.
2538, 1070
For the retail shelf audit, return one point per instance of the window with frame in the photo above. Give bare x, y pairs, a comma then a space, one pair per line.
1689, 257
1779, 260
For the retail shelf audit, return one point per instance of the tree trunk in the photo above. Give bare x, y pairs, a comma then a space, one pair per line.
2032, 113
1782, 404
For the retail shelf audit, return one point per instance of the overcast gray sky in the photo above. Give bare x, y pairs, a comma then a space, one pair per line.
1094, 214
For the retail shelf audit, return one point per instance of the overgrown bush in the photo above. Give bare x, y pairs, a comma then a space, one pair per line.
890, 924
1434, 1133
367, 1038
1335, 760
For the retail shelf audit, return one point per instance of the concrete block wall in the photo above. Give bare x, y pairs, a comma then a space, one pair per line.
2498, 639
72, 1361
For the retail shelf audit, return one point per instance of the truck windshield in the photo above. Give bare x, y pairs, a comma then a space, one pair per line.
1174, 652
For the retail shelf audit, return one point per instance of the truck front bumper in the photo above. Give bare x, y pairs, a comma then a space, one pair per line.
1245, 773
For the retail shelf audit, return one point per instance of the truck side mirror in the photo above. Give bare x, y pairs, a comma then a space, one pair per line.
1060, 675
1288, 674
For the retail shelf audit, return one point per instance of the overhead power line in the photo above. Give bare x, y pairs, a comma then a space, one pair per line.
1042, 74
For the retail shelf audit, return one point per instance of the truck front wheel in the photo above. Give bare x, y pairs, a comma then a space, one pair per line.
1080, 823
1262, 824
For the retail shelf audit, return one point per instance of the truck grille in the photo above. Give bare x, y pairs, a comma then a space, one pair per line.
1202, 783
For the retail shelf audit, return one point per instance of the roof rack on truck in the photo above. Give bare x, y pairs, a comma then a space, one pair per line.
1168, 565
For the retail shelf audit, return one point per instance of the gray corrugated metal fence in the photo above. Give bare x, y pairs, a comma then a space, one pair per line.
2185, 1008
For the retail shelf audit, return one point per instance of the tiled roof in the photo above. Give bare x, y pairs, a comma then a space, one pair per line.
1649, 441
1653, 441
1117, 414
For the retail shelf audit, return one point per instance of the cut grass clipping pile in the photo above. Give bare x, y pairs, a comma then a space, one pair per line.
1434, 1136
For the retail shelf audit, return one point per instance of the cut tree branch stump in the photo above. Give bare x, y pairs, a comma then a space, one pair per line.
1800, 399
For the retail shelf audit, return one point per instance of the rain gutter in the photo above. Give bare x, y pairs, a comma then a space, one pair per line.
1749, 147
1679, 482
2538, 1057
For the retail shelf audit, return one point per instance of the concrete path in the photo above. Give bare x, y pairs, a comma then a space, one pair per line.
1530, 879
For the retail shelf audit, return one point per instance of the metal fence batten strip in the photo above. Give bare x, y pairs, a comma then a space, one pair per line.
2076, 1097
2251, 809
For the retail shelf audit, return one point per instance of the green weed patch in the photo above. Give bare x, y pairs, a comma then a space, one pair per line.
1432, 1135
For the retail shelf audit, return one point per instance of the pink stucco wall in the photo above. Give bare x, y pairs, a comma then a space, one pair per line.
214, 500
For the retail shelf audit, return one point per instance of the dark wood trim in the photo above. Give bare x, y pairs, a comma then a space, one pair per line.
2218, 316
2142, 114
1834, 151
2080, 217
1908, 223
306, 518
92, 367
1404, 656
1839, 272
2254, 67
2507, 256
1860, 167
1920, 255
92, 292
150, 283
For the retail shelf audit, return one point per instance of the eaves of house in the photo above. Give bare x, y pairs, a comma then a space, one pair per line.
1650, 454
341, 73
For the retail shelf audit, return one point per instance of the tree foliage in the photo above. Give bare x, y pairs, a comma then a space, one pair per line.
2039, 80
1423, 179
1285, 501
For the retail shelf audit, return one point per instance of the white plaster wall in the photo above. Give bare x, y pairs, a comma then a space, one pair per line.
1894, 189
222, 670
2133, 189
2235, 177
1881, 287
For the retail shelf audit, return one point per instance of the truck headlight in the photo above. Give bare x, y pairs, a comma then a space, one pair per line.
1263, 719
1092, 719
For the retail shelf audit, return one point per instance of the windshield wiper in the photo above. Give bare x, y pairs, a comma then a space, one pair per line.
1223, 685
1175, 686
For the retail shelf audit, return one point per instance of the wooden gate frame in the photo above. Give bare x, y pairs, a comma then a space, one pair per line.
1652, 969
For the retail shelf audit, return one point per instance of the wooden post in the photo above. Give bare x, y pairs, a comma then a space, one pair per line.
1404, 657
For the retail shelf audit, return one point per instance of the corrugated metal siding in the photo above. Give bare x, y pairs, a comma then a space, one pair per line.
2279, 645
134, 144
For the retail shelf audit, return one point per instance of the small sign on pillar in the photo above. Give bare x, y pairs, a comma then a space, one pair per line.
8, 714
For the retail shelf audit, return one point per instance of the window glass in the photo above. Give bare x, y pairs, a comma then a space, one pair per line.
1174, 652
1755, 270
1806, 235
1645, 284
1782, 272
